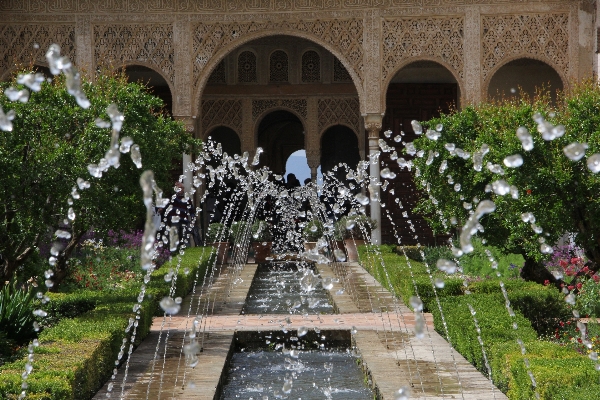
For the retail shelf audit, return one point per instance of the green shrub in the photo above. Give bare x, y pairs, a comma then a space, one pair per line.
543, 306
217, 232
76, 356
412, 252
406, 281
69, 305
434, 253
313, 230
494, 322
560, 373
16, 312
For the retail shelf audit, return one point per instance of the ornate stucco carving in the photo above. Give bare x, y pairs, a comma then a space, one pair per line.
233, 6
541, 36
22, 43
338, 111
438, 38
222, 112
151, 45
260, 106
342, 36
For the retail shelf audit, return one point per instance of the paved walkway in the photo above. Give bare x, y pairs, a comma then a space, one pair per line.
391, 354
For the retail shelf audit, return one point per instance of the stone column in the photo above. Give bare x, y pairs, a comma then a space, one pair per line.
182, 81
84, 47
373, 124
190, 127
312, 139
473, 92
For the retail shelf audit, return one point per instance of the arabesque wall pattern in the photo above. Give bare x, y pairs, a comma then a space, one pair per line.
371, 40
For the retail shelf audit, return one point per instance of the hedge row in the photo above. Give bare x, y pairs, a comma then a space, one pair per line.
76, 355
406, 280
560, 372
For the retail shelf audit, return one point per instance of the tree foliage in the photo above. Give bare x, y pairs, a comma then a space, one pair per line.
54, 140
561, 194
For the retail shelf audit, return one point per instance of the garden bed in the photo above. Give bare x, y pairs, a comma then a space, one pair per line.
559, 370
77, 355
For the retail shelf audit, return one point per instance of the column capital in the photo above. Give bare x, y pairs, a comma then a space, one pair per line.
373, 124
313, 158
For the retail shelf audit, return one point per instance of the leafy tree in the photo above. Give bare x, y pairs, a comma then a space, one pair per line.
562, 194
53, 141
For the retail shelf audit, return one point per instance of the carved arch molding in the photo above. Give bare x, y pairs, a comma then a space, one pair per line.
26, 34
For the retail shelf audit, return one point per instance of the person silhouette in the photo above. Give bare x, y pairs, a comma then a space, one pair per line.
292, 181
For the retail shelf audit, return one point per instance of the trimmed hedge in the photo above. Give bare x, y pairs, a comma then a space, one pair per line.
543, 306
77, 355
404, 285
493, 319
560, 372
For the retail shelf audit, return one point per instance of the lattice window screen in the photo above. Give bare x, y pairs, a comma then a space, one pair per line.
311, 67
340, 73
246, 67
278, 66
218, 74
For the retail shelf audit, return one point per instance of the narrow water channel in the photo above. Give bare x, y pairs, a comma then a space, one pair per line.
287, 288
282, 365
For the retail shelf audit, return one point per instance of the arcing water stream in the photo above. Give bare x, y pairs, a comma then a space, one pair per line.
288, 214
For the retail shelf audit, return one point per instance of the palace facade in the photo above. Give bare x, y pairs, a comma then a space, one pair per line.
326, 76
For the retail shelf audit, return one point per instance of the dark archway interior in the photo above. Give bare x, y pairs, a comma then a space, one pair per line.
524, 76
339, 144
154, 81
280, 133
420, 91
230, 141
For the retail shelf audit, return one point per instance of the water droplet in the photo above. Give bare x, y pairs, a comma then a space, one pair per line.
433, 135
402, 394
416, 303
593, 163
546, 249
5, 120
445, 265
513, 161
339, 255
126, 144
14, 94
575, 151
362, 199
302, 331
169, 306
501, 187
417, 128
525, 138
71, 214
439, 283
62, 234
136, 156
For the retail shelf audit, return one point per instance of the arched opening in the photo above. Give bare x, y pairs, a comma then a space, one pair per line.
297, 164
419, 91
523, 77
339, 144
280, 133
153, 80
228, 138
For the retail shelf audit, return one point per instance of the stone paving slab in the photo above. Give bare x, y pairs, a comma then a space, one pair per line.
391, 354
361, 321
224, 292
